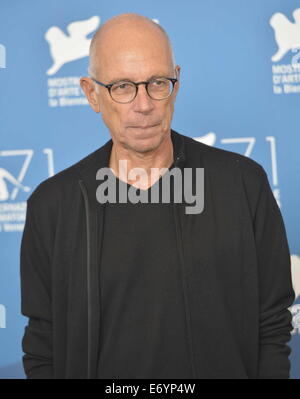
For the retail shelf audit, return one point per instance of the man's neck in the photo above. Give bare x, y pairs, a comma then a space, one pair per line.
161, 158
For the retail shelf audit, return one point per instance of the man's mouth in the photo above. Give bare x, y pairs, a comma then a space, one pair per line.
144, 126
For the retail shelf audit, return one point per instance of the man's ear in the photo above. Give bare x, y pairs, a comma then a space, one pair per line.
89, 89
177, 71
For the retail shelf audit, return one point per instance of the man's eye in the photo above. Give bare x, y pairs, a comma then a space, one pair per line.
158, 82
122, 86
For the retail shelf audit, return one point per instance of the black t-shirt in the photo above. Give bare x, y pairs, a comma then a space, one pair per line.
143, 326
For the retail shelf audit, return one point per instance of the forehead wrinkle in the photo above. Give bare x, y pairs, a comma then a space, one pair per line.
139, 71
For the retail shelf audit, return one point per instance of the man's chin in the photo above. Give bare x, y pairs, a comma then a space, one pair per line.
144, 144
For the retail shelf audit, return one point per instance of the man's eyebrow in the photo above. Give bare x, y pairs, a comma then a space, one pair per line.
121, 79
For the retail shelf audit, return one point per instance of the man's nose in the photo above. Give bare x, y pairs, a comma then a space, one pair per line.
142, 102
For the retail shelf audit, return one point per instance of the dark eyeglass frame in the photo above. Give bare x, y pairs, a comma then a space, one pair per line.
109, 86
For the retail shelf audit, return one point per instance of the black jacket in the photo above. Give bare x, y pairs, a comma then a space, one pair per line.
235, 267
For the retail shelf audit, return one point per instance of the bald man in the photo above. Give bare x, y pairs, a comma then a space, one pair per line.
147, 289
132, 47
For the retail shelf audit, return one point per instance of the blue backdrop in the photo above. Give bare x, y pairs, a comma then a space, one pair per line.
240, 91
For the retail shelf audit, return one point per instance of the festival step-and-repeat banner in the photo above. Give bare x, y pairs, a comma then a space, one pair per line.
240, 91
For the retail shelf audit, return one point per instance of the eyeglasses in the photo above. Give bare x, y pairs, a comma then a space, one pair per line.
125, 91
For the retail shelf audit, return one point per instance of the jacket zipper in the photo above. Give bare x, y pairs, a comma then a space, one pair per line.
184, 282
88, 255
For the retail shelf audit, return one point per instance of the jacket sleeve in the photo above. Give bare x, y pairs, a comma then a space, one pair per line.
36, 299
276, 292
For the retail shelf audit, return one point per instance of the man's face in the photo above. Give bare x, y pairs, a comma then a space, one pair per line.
137, 59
